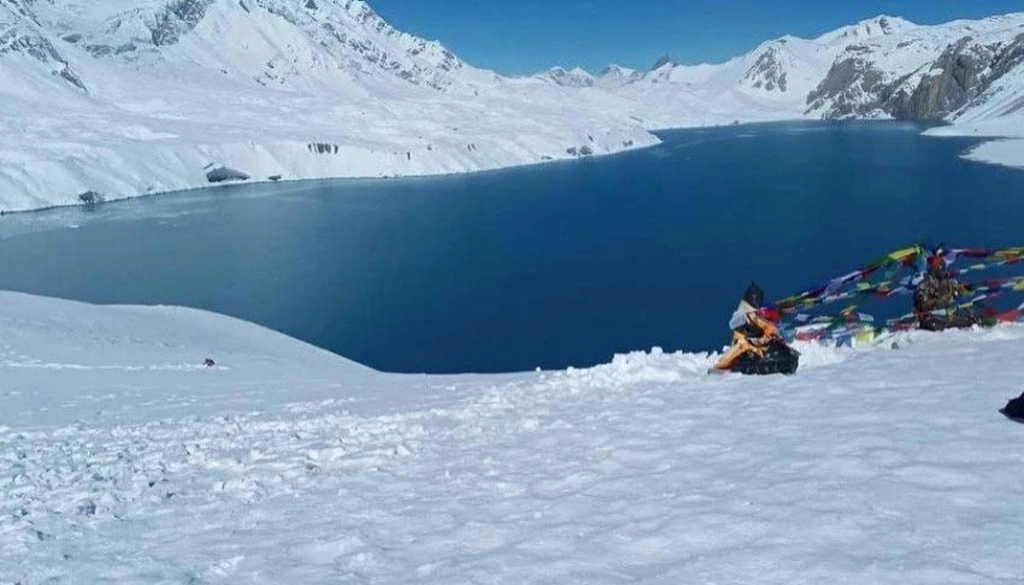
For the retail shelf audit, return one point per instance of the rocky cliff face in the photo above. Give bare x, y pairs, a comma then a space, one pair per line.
958, 76
848, 89
929, 73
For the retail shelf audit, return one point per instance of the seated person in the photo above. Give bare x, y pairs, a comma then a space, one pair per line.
758, 346
936, 298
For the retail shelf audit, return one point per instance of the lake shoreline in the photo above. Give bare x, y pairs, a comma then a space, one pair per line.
1013, 158
302, 180
984, 152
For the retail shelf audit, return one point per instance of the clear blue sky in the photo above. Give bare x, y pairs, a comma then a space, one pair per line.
524, 36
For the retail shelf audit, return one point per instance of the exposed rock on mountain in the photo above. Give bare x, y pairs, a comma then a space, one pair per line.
920, 73
768, 72
662, 62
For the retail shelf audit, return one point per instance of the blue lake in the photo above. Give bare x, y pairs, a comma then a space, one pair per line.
549, 266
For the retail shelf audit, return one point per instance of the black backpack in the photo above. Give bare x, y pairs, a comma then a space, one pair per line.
1015, 409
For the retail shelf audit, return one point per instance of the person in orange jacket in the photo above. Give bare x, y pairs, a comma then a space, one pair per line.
758, 347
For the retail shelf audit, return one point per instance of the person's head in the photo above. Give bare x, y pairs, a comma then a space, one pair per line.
754, 296
936, 264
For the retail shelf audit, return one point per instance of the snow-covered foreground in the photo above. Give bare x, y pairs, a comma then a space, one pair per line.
125, 461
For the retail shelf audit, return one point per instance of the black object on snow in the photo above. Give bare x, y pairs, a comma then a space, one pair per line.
779, 358
209, 363
1015, 410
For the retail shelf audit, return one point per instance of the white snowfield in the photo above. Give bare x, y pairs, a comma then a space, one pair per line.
124, 460
105, 99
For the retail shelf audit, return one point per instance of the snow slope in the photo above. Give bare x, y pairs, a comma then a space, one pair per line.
124, 461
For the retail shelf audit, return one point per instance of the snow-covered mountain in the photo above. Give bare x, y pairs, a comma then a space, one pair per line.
923, 72
611, 77
969, 73
616, 76
115, 98
577, 77
297, 37
123, 97
881, 67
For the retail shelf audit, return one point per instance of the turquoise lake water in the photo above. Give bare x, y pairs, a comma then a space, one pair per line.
547, 266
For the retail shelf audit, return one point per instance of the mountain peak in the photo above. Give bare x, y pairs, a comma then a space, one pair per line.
879, 26
614, 69
576, 77
888, 24
662, 61
616, 75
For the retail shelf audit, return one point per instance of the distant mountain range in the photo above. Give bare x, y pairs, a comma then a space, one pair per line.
115, 98
883, 67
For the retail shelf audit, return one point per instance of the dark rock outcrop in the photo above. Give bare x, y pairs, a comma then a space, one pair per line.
584, 150
217, 173
845, 85
323, 148
661, 62
955, 79
91, 198
176, 19
767, 72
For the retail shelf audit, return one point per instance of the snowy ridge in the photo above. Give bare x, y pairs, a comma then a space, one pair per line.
129, 461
